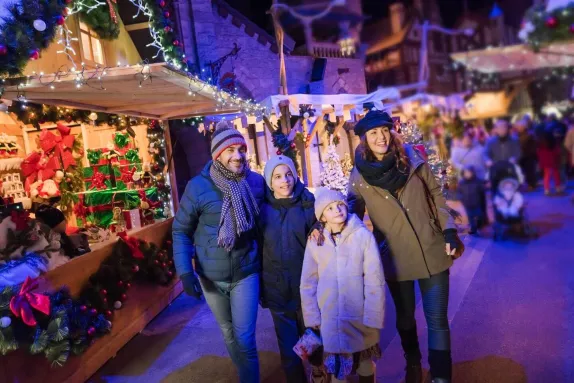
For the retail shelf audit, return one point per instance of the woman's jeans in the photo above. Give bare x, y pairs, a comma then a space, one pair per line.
434, 291
289, 327
234, 306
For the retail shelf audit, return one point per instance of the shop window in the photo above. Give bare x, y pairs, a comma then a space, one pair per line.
92, 50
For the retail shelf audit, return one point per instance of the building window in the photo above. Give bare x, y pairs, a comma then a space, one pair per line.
92, 50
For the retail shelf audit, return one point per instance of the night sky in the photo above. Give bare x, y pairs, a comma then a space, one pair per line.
376, 9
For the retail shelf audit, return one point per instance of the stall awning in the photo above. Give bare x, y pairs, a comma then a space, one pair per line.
152, 91
517, 58
448, 104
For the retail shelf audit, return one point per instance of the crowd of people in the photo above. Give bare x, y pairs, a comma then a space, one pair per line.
538, 150
241, 240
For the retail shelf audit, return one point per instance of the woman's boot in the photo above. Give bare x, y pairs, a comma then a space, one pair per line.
440, 365
410, 343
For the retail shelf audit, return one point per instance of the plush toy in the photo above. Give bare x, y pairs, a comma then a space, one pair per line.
59, 176
49, 189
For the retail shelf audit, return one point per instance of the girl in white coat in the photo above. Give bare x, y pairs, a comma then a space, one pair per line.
342, 290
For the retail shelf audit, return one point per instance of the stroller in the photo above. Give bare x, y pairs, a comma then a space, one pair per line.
508, 203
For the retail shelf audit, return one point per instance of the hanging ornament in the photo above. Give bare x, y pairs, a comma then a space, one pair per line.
162, 3
65, 12
166, 14
293, 145
94, 312
552, 22
5, 322
34, 54
60, 20
108, 314
571, 28
117, 305
40, 25
3, 49
83, 308
176, 43
167, 29
124, 297
91, 331
278, 152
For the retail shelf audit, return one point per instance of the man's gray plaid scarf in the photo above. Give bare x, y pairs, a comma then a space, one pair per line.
239, 206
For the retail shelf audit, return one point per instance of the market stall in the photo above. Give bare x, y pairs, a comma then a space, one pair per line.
99, 150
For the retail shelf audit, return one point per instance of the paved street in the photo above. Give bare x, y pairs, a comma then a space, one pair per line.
511, 311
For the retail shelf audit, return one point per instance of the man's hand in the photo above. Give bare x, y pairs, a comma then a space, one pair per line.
191, 285
316, 234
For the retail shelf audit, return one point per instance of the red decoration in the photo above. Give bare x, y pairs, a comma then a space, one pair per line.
164, 265
22, 304
133, 244
156, 262
105, 300
91, 331
60, 20
108, 314
34, 54
124, 297
97, 180
104, 292
136, 268
127, 175
176, 43
166, 14
162, 3
169, 273
94, 312
65, 11
37, 167
552, 22
278, 152
60, 145
20, 218
572, 28
293, 145
83, 308
120, 283
69, 1
128, 285
167, 29
3, 50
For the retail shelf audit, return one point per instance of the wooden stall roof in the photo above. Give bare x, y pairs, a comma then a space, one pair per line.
163, 94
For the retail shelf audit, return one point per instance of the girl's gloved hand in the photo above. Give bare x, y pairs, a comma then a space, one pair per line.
454, 246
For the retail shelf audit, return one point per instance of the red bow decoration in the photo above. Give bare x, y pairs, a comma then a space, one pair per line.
36, 168
422, 151
22, 304
62, 144
152, 204
133, 244
127, 175
98, 180
20, 218
80, 209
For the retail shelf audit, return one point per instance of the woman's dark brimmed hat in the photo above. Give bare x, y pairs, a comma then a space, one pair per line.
373, 119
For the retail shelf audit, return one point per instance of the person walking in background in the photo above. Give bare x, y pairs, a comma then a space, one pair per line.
549, 157
528, 155
342, 289
286, 218
472, 193
215, 225
569, 144
502, 146
415, 233
559, 130
469, 153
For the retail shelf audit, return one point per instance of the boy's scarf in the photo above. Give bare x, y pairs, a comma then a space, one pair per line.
239, 206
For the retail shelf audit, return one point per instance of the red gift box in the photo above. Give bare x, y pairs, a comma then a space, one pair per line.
132, 218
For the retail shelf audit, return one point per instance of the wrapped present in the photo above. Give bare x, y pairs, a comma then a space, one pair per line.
95, 157
122, 141
132, 218
147, 217
307, 344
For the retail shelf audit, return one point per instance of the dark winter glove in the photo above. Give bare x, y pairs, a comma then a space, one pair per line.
453, 242
191, 285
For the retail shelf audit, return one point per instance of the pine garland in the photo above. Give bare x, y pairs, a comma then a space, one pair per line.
100, 21
284, 146
541, 28
19, 41
157, 150
73, 181
73, 324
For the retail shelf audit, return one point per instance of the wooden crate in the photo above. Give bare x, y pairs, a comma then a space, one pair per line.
143, 304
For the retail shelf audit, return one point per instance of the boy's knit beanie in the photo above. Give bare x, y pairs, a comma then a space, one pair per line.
273, 163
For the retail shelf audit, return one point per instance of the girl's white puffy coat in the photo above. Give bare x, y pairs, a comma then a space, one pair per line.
342, 289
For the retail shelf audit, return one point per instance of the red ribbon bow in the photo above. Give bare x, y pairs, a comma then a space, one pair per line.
22, 304
133, 244
20, 218
61, 145
36, 168
152, 204
98, 180
127, 175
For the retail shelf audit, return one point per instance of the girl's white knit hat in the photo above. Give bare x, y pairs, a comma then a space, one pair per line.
324, 197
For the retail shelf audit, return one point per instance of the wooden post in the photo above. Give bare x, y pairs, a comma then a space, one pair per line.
171, 167
306, 158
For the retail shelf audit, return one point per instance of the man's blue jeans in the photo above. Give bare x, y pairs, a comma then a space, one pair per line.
234, 306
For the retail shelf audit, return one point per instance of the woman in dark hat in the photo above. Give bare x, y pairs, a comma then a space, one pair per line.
416, 235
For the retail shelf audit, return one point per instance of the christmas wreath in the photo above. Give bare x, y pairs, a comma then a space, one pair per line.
102, 19
27, 27
57, 324
543, 26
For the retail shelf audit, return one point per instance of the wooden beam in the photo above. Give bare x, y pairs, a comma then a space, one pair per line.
320, 120
194, 108
340, 124
137, 26
268, 124
120, 108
